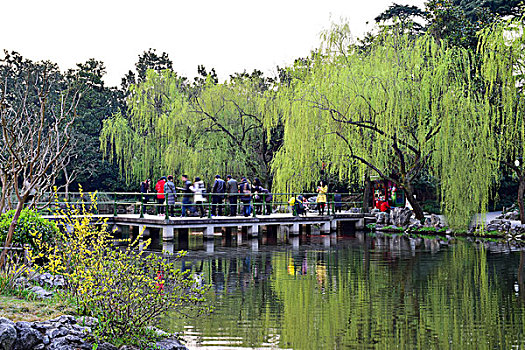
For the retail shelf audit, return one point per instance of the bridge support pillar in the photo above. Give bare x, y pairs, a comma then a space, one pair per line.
167, 233
255, 244
333, 238
295, 229
239, 237
209, 246
253, 230
208, 232
360, 224
295, 242
325, 227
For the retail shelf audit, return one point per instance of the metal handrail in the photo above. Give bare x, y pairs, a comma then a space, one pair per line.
141, 200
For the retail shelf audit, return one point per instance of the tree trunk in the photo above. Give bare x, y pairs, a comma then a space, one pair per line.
416, 207
366, 193
11, 232
521, 192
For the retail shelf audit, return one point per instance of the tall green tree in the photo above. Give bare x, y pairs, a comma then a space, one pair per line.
170, 129
147, 60
401, 106
503, 72
98, 101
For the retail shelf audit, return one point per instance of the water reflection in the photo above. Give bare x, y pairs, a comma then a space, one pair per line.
355, 291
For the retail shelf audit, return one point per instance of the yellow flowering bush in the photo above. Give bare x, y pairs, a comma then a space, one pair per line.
125, 288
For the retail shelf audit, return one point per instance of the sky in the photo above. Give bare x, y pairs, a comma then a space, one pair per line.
229, 35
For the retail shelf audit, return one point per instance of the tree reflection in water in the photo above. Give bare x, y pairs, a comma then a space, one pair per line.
380, 292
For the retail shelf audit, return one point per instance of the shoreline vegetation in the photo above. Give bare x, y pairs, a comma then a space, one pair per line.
83, 273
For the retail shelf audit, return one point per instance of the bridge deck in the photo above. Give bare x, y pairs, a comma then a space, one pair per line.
327, 222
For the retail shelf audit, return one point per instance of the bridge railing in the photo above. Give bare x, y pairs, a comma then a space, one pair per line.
116, 203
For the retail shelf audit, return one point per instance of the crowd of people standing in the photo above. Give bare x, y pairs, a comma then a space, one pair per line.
226, 196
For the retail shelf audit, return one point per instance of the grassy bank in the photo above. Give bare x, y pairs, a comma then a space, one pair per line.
26, 309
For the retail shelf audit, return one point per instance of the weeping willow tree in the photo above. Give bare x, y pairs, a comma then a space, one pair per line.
173, 128
502, 72
404, 105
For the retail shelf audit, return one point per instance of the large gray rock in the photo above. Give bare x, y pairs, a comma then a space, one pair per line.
61, 344
383, 218
435, 221
57, 332
7, 335
171, 343
400, 217
106, 346
87, 321
65, 319
513, 215
41, 293
28, 338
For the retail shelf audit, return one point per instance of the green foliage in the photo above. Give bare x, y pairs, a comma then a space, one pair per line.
98, 101
431, 207
126, 289
171, 128
12, 270
404, 105
29, 224
392, 228
426, 229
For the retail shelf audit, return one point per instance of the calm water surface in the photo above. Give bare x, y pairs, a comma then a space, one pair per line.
352, 291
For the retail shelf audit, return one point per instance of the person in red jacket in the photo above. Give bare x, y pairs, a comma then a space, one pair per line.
384, 206
159, 187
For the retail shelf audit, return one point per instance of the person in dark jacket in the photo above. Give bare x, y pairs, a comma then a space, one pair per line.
186, 197
232, 188
246, 196
145, 188
218, 190
267, 198
257, 198
171, 195
338, 201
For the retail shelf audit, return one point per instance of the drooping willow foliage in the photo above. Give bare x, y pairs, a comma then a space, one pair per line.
502, 47
175, 129
404, 105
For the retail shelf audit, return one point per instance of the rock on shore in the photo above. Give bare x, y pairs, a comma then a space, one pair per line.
61, 333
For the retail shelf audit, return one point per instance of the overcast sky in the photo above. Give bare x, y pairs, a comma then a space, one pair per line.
229, 35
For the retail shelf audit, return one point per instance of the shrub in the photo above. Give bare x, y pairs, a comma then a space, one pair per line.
126, 289
29, 224
12, 271
393, 228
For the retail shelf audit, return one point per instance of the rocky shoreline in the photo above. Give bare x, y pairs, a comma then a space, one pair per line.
402, 220
65, 333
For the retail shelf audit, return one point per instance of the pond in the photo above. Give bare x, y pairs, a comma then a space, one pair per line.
355, 291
